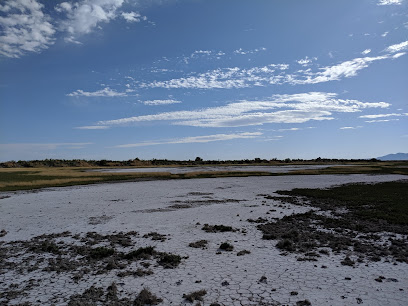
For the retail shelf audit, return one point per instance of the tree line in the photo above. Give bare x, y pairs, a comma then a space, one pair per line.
166, 162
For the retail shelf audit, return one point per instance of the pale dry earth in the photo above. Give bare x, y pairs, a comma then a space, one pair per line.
179, 209
179, 170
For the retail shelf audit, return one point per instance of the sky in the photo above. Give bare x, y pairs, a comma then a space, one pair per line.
226, 79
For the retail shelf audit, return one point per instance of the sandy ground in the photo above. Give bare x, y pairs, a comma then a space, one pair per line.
178, 209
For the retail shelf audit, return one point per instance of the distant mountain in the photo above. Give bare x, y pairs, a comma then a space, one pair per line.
397, 156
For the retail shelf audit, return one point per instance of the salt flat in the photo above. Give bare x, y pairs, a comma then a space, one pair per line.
178, 170
178, 209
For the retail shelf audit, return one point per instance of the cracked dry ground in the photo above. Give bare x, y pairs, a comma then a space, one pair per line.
207, 248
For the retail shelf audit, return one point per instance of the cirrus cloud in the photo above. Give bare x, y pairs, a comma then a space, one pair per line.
195, 139
294, 108
106, 92
161, 102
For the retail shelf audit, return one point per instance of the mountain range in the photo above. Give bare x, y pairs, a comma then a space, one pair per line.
396, 156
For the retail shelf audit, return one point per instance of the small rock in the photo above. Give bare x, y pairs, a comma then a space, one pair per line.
263, 280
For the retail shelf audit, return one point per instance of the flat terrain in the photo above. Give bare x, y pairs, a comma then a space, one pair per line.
208, 240
28, 178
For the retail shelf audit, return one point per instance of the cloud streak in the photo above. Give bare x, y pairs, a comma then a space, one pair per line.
381, 120
195, 139
350, 127
397, 47
389, 2
276, 74
383, 115
345, 69
106, 92
161, 102
295, 108
92, 127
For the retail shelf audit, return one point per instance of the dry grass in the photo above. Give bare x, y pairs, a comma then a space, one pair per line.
377, 168
34, 178
12, 179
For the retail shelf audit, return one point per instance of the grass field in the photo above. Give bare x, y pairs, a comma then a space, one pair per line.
12, 179
36, 178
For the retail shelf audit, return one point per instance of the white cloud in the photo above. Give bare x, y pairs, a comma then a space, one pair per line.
291, 129
84, 16
25, 28
273, 74
389, 2
93, 127
201, 52
384, 34
306, 61
161, 102
295, 108
350, 127
334, 73
397, 55
382, 120
397, 47
133, 17
383, 115
227, 78
106, 92
366, 51
195, 139
244, 52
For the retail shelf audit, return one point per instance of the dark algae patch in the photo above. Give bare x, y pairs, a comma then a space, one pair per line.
200, 244
98, 296
225, 246
195, 296
355, 219
375, 202
81, 256
145, 297
168, 260
217, 228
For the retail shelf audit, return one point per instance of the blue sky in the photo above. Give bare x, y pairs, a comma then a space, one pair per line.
116, 79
